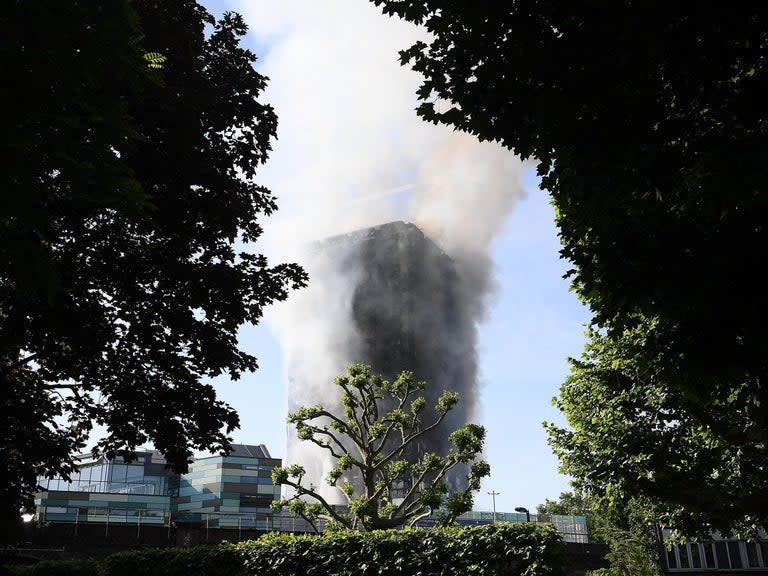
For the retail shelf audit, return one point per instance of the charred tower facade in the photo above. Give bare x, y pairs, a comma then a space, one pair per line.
408, 313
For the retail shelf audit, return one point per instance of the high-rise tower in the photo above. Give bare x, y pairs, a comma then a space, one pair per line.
407, 312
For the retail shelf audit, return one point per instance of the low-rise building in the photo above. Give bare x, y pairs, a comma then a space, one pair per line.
721, 555
229, 491
571, 528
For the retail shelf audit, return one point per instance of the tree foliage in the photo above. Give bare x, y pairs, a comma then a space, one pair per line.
569, 504
386, 478
631, 433
130, 148
650, 135
633, 546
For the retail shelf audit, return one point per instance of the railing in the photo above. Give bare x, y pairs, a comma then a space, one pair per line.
137, 488
282, 522
110, 517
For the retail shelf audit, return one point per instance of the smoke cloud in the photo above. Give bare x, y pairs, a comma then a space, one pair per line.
353, 154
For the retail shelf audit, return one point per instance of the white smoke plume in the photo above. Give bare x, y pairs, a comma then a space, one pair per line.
351, 154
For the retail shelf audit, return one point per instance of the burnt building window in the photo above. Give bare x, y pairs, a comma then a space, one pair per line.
255, 500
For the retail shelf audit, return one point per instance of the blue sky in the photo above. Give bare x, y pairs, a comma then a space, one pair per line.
334, 77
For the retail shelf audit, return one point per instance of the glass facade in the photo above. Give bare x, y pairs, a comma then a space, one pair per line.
720, 554
111, 477
233, 491
218, 491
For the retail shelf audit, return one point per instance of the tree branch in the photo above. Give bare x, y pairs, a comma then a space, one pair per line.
325, 445
418, 517
410, 438
323, 502
21, 361
70, 386
355, 419
351, 433
440, 475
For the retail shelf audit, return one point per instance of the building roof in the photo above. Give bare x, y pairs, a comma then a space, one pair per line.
249, 451
155, 457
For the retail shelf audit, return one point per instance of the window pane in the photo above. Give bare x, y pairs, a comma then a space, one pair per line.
671, 559
255, 500
752, 558
695, 556
118, 472
709, 556
734, 551
135, 474
722, 555
684, 556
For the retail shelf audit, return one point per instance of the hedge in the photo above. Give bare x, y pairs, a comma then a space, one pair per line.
54, 568
493, 550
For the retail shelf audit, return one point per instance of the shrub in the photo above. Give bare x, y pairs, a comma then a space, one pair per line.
54, 568
498, 550
494, 550
221, 560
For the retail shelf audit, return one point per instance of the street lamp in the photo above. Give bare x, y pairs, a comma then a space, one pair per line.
493, 495
524, 510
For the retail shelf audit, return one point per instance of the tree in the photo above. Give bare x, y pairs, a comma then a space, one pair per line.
633, 545
386, 478
569, 504
131, 193
634, 434
650, 135
623, 526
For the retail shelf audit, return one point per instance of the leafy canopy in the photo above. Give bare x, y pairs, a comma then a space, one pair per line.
631, 433
624, 526
386, 478
129, 163
651, 137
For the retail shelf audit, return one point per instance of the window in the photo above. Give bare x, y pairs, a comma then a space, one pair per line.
255, 500
752, 558
684, 556
134, 474
734, 551
709, 556
671, 558
722, 555
118, 473
695, 556
249, 480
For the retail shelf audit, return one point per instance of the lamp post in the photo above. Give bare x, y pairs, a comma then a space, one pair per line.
524, 510
493, 497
